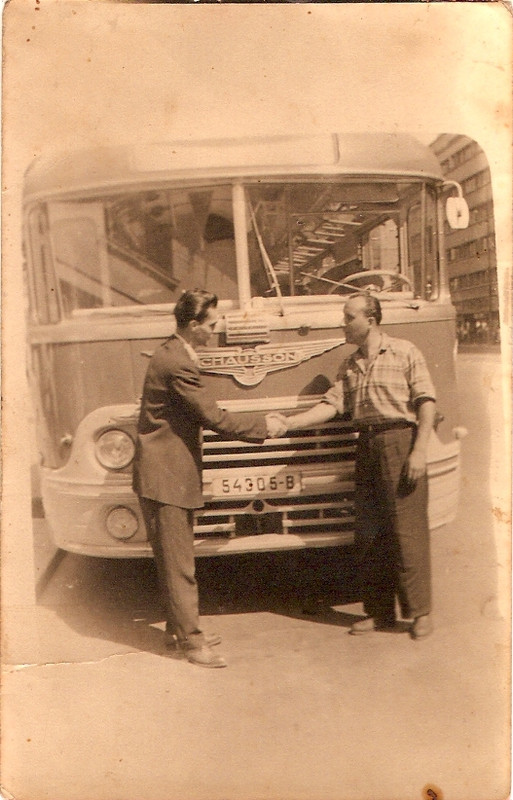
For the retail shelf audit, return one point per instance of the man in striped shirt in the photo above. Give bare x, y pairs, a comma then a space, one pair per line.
386, 387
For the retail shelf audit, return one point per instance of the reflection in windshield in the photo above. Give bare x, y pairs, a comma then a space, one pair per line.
144, 248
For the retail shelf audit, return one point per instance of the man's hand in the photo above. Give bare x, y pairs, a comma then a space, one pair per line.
416, 465
276, 425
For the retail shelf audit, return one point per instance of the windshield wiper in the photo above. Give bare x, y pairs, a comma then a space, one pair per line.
271, 272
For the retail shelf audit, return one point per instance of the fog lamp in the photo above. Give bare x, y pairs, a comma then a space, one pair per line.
122, 523
115, 449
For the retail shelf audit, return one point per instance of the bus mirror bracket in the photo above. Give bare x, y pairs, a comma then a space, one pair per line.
456, 208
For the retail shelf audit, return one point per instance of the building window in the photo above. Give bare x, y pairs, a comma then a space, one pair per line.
473, 249
482, 213
476, 181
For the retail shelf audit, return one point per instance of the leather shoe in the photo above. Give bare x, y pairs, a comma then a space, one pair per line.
422, 627
172, 641
370, 624
204, 657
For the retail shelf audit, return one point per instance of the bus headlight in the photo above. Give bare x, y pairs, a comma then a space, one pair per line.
121, 523
115, 449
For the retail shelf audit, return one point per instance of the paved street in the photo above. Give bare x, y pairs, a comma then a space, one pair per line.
304, 711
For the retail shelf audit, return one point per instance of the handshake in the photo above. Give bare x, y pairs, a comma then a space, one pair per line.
276, 425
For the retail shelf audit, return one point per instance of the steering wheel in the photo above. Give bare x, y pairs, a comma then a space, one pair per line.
347, 284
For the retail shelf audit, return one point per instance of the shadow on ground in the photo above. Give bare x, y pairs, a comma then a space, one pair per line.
118, 600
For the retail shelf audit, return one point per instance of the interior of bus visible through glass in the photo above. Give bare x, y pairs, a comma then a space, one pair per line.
301, 238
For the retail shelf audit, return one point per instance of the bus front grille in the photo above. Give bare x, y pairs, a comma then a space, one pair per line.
334, 441
324, 457
314, 514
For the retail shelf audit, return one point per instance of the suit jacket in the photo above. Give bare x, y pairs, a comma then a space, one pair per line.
175, 406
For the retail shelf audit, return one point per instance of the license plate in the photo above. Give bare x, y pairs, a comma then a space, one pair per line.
255, 484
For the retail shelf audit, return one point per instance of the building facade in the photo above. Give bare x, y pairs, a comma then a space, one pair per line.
471, 257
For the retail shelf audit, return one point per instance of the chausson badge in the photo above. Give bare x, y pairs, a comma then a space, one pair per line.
250, 365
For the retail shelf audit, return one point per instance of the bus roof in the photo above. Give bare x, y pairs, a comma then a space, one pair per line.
115, 168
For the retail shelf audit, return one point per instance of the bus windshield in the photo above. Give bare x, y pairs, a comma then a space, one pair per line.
335, 238
142, 248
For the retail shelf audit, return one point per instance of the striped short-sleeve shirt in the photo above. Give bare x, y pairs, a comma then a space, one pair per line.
387, 389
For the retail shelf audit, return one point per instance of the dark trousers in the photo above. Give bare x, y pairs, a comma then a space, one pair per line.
391, 532
170, 533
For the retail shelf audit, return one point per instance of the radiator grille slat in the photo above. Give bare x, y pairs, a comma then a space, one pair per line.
324, 459
321, 522
333, 441
276, 455
212, 444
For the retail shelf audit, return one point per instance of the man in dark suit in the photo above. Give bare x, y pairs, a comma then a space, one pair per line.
167, 468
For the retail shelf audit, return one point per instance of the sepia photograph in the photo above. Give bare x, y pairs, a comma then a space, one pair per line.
256, 418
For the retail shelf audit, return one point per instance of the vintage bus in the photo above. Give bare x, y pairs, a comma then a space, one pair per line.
283, 230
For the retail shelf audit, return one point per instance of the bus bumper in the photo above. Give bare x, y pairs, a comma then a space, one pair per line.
79, 514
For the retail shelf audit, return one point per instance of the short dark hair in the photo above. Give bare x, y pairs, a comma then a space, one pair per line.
372, 305
193, 304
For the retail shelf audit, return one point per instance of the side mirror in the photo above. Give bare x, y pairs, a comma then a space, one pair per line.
456, 210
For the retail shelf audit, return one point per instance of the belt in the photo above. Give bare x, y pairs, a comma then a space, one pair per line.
380, 427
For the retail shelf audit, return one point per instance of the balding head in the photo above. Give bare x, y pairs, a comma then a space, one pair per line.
371, 305
362, 314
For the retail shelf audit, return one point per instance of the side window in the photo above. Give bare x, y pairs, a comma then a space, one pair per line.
41, 275
415, 248
78, 264
423, 248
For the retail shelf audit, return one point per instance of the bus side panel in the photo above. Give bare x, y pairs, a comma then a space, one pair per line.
75, 379
436, 342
